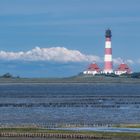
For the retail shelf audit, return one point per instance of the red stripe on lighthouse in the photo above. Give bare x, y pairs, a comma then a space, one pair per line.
108, 51
108, 65
108, 39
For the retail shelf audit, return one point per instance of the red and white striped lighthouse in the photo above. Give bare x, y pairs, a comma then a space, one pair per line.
108, 65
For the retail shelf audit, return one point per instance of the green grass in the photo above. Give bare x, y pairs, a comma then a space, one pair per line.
16, 129
98, 134
127, 126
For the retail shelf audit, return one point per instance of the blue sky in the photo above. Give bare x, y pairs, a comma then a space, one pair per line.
74, 29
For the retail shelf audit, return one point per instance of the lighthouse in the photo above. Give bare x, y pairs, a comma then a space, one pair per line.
94, 69
108, 65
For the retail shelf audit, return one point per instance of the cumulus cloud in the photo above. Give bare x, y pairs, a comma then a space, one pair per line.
119, 60
59, 54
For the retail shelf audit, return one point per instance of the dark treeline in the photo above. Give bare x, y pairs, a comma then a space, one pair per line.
8, 75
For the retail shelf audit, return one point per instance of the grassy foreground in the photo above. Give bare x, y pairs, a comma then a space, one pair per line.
127, 126
110, 135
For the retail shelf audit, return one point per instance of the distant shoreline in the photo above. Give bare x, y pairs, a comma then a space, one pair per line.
72, 80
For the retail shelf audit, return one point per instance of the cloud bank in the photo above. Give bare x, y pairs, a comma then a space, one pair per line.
119, 60
58, 54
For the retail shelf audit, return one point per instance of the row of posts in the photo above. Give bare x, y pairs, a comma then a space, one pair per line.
53, 135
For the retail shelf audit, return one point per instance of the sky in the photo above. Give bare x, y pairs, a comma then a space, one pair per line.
60, 38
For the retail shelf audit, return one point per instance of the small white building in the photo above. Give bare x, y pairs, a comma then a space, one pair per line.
123, 69
92, 69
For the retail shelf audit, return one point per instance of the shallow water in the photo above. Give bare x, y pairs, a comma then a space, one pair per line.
56, 105
102, 129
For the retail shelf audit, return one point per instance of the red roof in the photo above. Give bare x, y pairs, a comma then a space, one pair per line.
94, 67
124, 67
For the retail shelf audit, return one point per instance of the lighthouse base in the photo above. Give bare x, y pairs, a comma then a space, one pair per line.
107, 71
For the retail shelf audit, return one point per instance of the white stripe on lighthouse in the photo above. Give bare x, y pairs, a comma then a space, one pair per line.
107, 44
108, 57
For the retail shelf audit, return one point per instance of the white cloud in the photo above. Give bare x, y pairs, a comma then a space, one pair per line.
57, 54
119, 60
129, 61
60, 54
